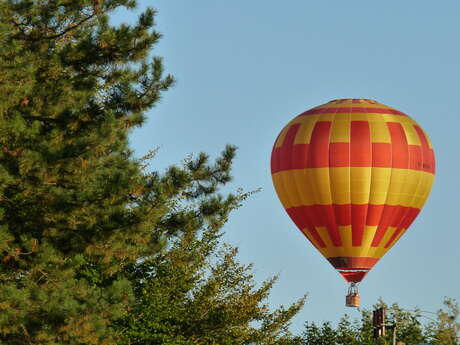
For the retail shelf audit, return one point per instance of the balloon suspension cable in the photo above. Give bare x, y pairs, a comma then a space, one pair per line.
353, 289
353, 299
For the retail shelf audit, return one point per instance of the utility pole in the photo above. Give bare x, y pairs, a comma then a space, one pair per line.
394, 333
378, 321
380, 325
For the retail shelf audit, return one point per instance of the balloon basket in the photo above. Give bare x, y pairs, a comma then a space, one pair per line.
353, 299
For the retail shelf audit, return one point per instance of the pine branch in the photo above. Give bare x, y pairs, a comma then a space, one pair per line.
73, 26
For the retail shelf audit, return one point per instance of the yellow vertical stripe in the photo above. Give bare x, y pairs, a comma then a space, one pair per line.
307, 194
368, 236
360, 184
381, 250
321, 186
423, 190
380, 180
306, 128
411, 134
340, 131
379, 130
324, 234
340, 185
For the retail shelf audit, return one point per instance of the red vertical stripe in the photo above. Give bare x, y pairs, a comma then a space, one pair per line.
360, 156
319, 158
360, 146
384, 223
374, 214
287, 149
339, 155
415, 157
358, 216
274, 161
299, 156
381, 155
319, 145
331, 223
316, 214
410, 217
343, 214
400, 149
398, 215
428, 163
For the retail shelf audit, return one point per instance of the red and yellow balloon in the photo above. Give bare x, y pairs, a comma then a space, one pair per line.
353, 174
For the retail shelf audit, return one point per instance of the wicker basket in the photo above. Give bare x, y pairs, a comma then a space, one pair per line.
353, 300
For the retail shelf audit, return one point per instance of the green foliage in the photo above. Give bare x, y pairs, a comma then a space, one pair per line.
446, 329
72, 197
410, 328
88, 237
195, 291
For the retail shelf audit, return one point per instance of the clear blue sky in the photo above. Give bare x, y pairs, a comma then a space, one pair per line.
245, 68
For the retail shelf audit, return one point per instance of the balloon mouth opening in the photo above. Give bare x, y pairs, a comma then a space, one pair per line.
353, 276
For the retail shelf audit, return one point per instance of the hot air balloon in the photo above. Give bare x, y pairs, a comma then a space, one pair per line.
353, 174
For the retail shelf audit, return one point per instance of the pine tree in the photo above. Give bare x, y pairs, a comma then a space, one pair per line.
83, 224
73, 199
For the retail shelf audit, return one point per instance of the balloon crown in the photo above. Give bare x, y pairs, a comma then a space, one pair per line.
353, 100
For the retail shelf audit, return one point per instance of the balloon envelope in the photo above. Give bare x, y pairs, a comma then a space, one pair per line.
353, 174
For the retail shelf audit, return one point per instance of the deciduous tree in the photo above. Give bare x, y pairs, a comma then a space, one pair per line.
196, 292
